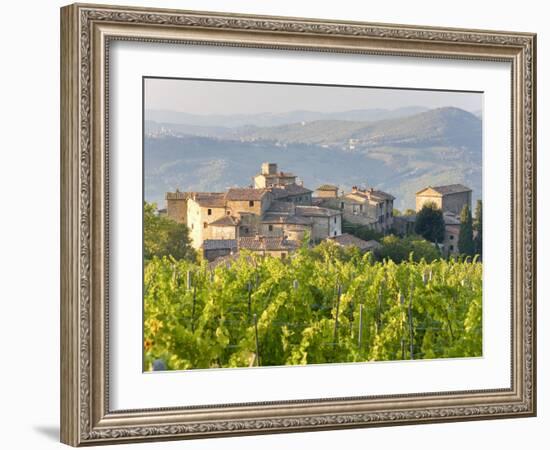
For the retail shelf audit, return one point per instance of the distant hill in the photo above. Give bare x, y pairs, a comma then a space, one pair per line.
400, 156
274, 119
442, 126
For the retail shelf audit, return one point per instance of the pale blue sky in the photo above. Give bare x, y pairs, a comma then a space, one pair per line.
217, 97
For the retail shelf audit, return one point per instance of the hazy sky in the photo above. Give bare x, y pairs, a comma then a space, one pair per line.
222, 97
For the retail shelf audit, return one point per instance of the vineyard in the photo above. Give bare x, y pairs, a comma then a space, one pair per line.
322, 305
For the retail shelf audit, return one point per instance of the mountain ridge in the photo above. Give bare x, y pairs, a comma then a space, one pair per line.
274, 119
438, 146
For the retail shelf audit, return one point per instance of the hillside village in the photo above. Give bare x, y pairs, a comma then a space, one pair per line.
274, 213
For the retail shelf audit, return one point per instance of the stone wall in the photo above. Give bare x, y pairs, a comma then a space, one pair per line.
176, 209
455, 202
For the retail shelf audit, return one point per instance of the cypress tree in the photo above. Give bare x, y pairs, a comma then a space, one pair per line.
466, 245
478, 227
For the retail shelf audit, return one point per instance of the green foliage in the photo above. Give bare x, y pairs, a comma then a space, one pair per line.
466, 245
409, 212
308, 310
164, 237
361, 231
478, 227
403, 249
429, 223
396, 212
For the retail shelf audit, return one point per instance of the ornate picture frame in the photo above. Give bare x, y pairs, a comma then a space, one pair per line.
87, 31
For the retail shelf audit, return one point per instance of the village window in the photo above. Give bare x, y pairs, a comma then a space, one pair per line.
209, 212
270, 227
451, 247
334, 219
228, 212
342, 205
205, 224
451, 237
283, 255
334, 232
251, 203
361, 208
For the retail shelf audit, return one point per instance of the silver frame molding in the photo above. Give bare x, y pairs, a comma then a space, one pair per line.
86, 32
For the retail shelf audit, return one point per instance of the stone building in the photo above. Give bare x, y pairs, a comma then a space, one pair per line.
282, 210
176, 206
325, 222
218, 248
202, 210
452, 231
223, 228
269, 176
450, 198
404, 225
278, 247
326, 191
294, 193
368, 207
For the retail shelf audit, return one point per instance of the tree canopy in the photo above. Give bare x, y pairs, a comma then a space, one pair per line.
429, 223
163, 236
361, 231
400, 249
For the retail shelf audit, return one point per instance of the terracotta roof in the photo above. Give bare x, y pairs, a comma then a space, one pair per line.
278, 206
327, 187
447, 189
285, 218
348, 240
258, 243
360, 194
244, 194
381, 194
210, 199
224, 260
371, 195
289, 190
316, 211
219, 244
225, 221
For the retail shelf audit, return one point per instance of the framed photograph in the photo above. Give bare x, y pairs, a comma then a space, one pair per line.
277, 224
